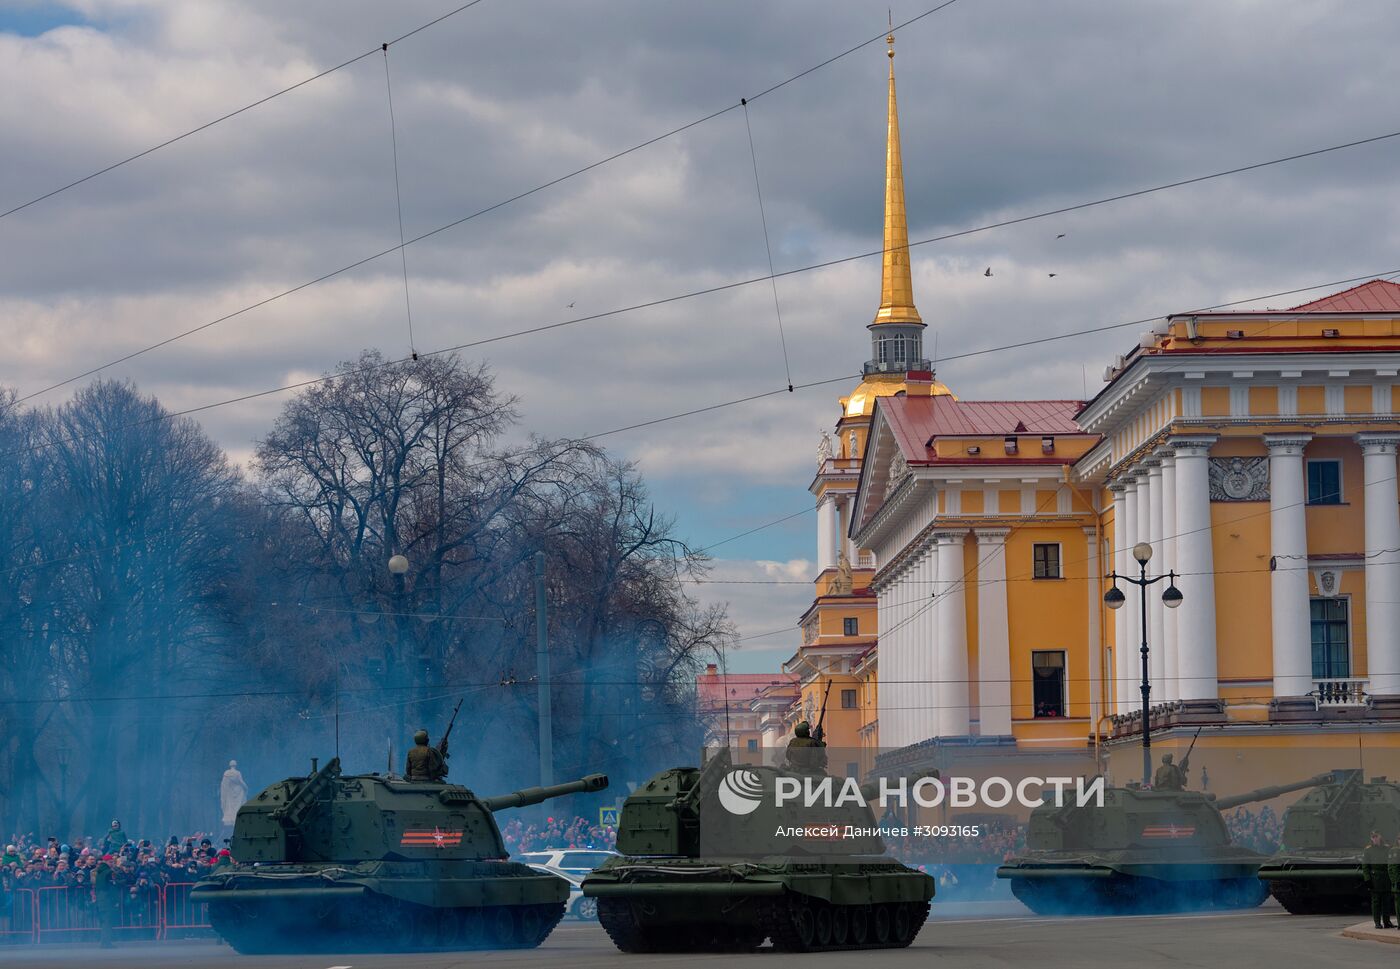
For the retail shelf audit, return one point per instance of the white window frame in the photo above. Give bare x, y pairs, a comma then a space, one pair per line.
1341, 481
1351, 637
1059, 561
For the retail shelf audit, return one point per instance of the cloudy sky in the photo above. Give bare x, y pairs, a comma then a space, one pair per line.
1009, 107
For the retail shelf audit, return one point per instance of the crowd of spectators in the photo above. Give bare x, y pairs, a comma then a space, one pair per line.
1260, 830
557, 832
139, 867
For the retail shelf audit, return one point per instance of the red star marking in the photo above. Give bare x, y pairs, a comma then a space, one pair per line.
438, 837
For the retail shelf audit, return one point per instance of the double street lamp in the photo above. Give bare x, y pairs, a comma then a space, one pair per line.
1171, 598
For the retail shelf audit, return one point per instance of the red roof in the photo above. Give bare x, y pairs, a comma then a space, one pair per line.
1377, 296
742, 687
914, 420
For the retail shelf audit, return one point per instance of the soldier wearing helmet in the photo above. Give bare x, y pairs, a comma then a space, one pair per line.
425, 762
805, 752
1169, 777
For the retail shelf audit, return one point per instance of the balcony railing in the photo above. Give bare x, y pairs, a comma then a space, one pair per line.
1346, 692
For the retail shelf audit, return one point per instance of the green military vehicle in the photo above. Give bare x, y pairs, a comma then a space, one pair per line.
711, 863
330, 862
1318, 869
1143, 851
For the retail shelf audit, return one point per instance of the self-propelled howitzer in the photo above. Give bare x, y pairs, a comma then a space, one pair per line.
1143, 850
1318, 868
710, 862
333, 862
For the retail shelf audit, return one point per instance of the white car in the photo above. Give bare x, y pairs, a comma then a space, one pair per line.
578, 906
573, 861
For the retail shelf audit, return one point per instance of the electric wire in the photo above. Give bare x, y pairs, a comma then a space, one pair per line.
767, 245
232, 114
398, 202
700, 292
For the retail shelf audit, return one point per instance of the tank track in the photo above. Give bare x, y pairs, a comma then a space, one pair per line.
381, 925
1136, 896
798, 923
625, 926
1297, 900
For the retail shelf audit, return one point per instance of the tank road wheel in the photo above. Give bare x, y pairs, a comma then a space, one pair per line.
804, 924
879, 926
500, 927
528, 921
618, 920
860, 924
901, 926
821, 928
840, 924
471, 928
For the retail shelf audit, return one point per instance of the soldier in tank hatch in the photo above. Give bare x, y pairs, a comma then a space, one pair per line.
1169, 776
1375, 873
425, 762
805, 752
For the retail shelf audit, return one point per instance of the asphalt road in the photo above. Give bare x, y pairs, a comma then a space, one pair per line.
965, 936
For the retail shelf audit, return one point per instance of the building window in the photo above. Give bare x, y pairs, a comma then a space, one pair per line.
1048, 682
1047, 560
848, 699
753, 746
1324, 482
850, 626
1331, 639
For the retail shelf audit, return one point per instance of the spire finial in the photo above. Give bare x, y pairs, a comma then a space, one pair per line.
897, 284
889, 38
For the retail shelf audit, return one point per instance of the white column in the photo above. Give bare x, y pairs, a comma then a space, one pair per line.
888, 664
1170, 689
1095, 652
899, 688
1288, 583
994, 635
928, 657
1196, 625
828, 532
952, 636
1156, 621
1119, 492
1129, 697
1382, 563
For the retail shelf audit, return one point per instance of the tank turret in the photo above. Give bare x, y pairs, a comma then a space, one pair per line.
409, 865
1142, 850
712, 862
1317, 869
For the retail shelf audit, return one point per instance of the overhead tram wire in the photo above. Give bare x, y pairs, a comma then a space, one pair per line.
233, 114
398, 202
1018, 220
466, 218
767, 245
312, 381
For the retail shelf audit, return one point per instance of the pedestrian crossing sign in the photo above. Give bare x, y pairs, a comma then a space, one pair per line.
607, 816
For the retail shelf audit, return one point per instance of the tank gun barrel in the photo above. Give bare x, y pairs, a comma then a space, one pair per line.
1265, 793
534, 795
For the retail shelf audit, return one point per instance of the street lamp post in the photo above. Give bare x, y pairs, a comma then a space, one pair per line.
62, 754
398, 568
1171, 598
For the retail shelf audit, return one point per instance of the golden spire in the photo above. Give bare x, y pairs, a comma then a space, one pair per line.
896, 283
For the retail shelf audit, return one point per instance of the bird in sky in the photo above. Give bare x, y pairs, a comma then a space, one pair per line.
1053, 275
988, 272
571, 305
1060, 236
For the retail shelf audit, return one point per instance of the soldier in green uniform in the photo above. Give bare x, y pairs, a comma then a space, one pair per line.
425, 763
1392, 869
1375, 873
1169, 777
106, 892
805, 752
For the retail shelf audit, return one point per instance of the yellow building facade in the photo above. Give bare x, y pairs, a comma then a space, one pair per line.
965, 548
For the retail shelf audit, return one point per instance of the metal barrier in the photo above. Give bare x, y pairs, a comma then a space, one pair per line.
70, 915
18, 917
180, 917
63, 914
